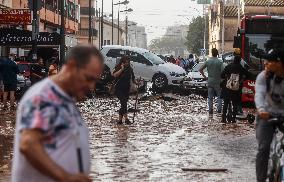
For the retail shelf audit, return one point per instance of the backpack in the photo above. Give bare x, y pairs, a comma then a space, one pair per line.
234, 82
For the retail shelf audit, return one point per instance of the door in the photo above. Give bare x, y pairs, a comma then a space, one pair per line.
141, 66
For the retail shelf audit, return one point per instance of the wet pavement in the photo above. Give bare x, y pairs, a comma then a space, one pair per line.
165, 138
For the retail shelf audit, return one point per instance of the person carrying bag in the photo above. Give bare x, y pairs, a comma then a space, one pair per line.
124, 76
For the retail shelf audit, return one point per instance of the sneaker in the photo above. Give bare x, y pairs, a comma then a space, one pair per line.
119, 122
128, 122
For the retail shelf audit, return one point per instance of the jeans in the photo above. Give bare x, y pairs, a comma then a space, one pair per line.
264, 136
234, 103
212, 92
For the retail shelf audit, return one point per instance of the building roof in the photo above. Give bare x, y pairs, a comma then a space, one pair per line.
230, 11
263, 2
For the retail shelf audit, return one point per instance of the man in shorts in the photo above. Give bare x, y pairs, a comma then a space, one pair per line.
9, 74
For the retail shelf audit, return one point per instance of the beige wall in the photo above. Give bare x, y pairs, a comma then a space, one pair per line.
7, 3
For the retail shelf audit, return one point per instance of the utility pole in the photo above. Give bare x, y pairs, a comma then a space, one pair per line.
35, 31
239, 13
112, 22
62, 34
102, 25
99, 27
223, 27
204, 14
126, 30
90, 21
118, 28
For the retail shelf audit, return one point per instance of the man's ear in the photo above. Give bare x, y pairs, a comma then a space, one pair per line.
71, 64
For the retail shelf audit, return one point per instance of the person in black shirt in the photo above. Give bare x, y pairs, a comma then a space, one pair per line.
123, 74
38, 71
9, 70
229, 95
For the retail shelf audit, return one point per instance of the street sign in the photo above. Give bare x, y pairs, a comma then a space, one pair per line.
39, 4
202, 51
203, 1
15, 16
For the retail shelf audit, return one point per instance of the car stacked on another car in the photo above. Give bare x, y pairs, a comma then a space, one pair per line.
145, 64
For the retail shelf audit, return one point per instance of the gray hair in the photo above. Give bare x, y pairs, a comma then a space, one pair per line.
82, 55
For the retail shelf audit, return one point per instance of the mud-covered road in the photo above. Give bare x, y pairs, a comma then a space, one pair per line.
167, 136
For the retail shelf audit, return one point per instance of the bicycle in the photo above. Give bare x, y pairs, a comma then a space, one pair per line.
276, 159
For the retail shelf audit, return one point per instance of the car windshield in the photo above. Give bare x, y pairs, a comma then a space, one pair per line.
197, 67
153, 58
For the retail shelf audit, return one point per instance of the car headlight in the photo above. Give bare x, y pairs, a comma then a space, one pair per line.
187, 79
173, 74
246, 90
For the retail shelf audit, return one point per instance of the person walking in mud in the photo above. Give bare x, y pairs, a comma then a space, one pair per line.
124, 75
52, 140
214, 67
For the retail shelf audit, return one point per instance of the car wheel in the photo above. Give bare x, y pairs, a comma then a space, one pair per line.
160, 82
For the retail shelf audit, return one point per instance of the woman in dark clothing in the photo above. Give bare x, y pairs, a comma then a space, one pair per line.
229, 95
123, 74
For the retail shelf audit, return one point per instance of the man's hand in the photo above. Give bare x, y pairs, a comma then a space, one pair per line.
264, 115
76, 178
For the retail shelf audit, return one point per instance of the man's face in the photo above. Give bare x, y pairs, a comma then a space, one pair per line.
40, 62
273, 66
85, 78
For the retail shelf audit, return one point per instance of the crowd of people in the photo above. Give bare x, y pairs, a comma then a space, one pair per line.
8, 76
186, 64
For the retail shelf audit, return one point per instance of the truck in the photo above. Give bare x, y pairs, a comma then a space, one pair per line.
257, 35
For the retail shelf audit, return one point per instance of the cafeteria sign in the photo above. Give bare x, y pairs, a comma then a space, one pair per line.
15, 16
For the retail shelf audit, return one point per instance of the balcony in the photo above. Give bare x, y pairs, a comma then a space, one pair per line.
85, 32
85, 11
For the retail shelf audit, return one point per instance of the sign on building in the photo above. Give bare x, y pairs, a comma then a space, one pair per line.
15, 16
203, 1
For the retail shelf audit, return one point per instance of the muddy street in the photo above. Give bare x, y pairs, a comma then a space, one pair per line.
167, 136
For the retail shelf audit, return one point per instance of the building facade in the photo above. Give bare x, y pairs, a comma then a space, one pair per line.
223, 19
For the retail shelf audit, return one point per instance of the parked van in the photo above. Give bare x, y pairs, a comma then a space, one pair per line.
145, 64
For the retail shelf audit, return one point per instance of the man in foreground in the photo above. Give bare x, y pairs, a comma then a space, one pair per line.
269, 99
214, 67
52, 142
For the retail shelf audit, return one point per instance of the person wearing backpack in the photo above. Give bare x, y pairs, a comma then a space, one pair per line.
234, 75
269, 99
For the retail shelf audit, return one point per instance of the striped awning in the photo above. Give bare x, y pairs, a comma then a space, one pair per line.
264, 2
230, 11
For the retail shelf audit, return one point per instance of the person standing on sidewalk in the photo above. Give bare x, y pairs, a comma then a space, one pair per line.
52, 141
124, 75
9, 74
214, 67
38, 71
1, 81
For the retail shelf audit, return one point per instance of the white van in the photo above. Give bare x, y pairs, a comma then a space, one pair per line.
145, 64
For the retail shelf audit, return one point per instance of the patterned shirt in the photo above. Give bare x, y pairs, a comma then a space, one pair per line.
48, 108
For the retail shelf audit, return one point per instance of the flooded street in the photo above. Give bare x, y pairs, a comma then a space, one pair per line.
167, 136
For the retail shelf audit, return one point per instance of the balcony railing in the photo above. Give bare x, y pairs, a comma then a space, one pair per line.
85, 32
85, 11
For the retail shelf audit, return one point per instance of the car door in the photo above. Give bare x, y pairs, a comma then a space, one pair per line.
141, 66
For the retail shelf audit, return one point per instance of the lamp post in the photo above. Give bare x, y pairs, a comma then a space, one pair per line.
119, 3
126, 24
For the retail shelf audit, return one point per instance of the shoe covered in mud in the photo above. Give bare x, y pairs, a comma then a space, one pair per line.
119, 122
127, 122
223, 120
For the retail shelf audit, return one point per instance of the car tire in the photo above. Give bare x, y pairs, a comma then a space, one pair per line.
160, 82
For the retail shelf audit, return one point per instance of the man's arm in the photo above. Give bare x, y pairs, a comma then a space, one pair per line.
32, 148
201, 70
260, 93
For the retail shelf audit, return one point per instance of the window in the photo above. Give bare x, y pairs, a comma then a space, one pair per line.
136, 57
115, 53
